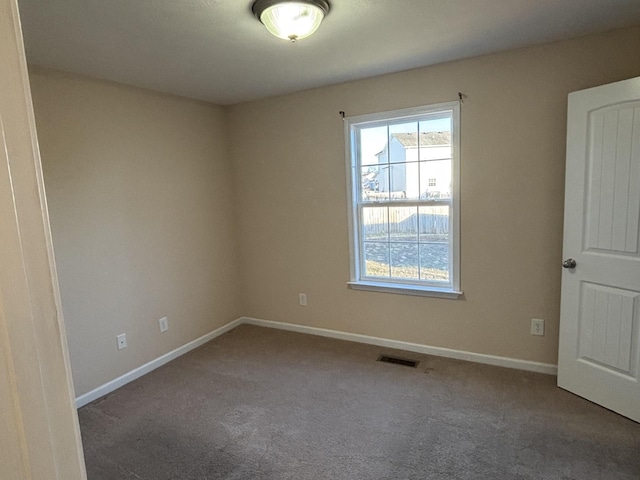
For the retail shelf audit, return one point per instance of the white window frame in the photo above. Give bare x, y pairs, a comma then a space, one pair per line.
449, 289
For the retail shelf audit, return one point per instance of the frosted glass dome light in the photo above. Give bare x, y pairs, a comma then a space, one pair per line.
291, 19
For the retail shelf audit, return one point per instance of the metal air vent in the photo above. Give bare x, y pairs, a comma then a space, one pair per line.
398, 361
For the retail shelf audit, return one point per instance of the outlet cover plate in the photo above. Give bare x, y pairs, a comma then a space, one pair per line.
122, 341
164, 324
537, 327
302, 297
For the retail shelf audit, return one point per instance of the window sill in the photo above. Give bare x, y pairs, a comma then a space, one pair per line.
405, 289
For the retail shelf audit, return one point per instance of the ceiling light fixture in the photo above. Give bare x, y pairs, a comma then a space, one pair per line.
291, 19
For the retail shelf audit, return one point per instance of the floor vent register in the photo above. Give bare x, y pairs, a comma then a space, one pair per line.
405, 362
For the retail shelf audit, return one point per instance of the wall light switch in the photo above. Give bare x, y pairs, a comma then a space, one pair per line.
122, 341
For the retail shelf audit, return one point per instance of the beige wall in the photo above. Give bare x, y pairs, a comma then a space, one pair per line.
288, 155
139, 187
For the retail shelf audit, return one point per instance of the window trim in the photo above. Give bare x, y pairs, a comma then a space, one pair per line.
407, 287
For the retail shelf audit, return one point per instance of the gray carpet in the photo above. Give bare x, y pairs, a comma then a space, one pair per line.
258, 403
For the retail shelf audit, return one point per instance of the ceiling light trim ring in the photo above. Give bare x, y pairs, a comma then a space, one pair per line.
291, 19
260, 6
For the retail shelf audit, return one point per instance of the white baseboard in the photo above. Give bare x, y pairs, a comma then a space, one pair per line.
507, 362
153, 364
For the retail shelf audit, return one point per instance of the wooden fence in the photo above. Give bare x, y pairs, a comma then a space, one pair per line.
436, 222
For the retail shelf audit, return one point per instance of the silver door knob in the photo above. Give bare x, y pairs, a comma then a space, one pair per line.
569, 263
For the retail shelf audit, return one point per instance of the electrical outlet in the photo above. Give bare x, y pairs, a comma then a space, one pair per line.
164, 324
537, 326
122, 341
302, 297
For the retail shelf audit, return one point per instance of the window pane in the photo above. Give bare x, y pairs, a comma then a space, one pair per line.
376, 256
434, 243
403, 224
403, 142
435, 179
432, 150
404, 260
372, 144
437, 122
404, 180
435, 137
373, 184
375, 223
383, 178
434, 224
434, 261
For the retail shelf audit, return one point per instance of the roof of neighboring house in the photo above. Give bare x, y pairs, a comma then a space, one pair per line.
426, 139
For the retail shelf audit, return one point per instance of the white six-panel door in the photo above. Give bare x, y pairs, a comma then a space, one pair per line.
599, 355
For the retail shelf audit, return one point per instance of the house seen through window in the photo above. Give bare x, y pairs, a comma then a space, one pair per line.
404, 200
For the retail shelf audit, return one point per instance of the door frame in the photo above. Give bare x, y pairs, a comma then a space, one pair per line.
40, 435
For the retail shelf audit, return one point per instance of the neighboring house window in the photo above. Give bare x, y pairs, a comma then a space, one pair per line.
404, 200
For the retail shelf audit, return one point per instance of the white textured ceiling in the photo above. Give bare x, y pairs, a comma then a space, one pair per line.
215, 50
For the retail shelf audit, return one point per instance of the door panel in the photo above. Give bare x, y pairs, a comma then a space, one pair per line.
599, 356
607, 319
613, 214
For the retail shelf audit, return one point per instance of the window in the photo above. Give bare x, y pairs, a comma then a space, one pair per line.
404, 200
